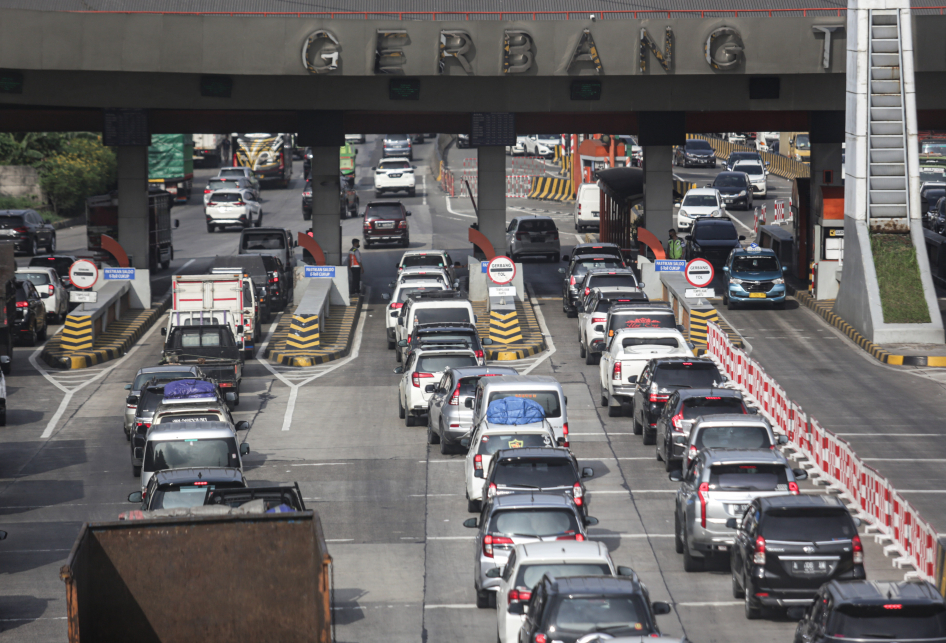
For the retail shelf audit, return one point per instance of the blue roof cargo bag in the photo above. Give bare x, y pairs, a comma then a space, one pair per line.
515, 411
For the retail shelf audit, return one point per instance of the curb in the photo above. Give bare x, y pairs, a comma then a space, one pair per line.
110, 345
533, 341
824, 308
299, 358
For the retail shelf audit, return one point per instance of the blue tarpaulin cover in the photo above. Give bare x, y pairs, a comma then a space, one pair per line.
186, 389
515, 411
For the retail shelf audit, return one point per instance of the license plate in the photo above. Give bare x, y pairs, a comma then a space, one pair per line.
538, 237
7, 233
811, 567
394, 176
756, 295
384, 224
739, 509
595, 214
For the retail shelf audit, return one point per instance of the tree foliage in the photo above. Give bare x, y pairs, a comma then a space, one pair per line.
82, 168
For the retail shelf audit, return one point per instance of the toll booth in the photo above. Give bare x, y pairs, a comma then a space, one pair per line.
819, 235
601, 153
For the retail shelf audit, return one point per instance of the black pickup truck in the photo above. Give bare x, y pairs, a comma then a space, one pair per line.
211, 347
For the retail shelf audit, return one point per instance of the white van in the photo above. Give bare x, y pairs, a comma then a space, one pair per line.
587, 206
432, 308
543, 389
191, 445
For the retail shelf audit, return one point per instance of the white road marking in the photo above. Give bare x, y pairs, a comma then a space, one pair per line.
320, 464
423, 178
459, 214
545, 332
710, 604
456, 606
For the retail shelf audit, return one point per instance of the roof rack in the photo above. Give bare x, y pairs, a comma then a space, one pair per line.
437, 294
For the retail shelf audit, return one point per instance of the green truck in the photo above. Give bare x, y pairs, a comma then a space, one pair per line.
171, 164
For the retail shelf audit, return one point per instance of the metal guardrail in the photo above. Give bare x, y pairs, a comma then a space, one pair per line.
777, 164
88, 321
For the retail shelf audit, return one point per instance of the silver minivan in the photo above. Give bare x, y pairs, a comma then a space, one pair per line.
543, 389
728, 431
715, 492
448, 418
192, 445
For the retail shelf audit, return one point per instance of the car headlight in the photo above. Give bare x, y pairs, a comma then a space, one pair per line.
683, 213
741, 193
714, 213
736, 281
797, 156
778, 281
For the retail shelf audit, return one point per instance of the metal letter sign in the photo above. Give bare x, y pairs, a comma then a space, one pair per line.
647, 43
325, 52
518, 52
699, 272
83, 274
501, 270
728, 54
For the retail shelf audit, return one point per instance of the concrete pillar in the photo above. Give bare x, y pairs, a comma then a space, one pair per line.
326, 225
133, 203
658, 190
491, 166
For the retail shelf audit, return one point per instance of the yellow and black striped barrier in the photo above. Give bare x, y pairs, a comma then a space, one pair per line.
77, 333
698, 321
504, 327
333, 341
304, 332
681, 187
779, 165
550, 188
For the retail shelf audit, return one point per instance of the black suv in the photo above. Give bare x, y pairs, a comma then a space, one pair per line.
30, 320
657, 382
29, 231
567, 609
546, 470
446, 334
696, 151
680, 412
576, 270
878, 611
712, 239
811, 540
735, 188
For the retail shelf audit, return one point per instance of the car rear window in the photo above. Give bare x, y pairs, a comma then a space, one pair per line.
264, 241
687, 375
225, 197
384, 211
611, 281
200, 337
889, 621
622, 615
583, 264
186, 495
811, 525
596, 251
535, 472
439, 363
440, 315
452, 337
698, 144
160, 377
61, 266
634, 342
716, 231
548, 400
10, 220
37, 278
422, 277
730, 181
404, 292
732, 437
694, 407
655, 319
537, 225
490, 444
220, 184
238, 172
183, 454
530, 575
394, 165
748, 477
422, 260
190, 417
749, 168
395, 137
534, 522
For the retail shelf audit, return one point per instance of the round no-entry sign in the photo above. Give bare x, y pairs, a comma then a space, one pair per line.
699, 272
83, 274
501, 270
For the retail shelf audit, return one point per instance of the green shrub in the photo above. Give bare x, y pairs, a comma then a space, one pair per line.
84, 168
898, 276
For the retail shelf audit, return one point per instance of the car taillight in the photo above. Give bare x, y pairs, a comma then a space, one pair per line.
678, 422
239, 203
579, 208
596, 320
273, 278
478, 462
793, 488
704, 489
480, 354
22, 304
578, 537
146, 425
489, 540
207, 190
571, 281
395, 305
758, 558
565, 433
522, 235
402, 223
541, 638
554, 234
858, 550
417, 377
491, 490
616, 371
455, 398
51, 288
519, 595
587, 290
21, 230
655, 397
211, 203
577, 493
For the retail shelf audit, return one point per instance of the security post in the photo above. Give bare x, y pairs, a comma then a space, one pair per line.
503, 319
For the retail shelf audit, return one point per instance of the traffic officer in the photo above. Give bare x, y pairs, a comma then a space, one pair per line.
354, 265
674, 246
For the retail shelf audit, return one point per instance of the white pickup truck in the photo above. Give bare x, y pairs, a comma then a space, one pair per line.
625, 356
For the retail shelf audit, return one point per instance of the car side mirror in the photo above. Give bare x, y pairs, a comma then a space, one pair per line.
625, 571
164, 331
230, 396
726, 269
239, 329
398, 370
599, 328
679, 439
478, 473
676, 476
244, 449
641, 285
782, 439
127, 386
402, 343
681, 328
495, 572
374, 167
800, 474
732, 523
742, 237
430, 388
465, 443
561, 441
784, 268
139, 453
135, 496
408, 213
471, 523
177, 223
587, 472
590, 521
796, 613
564, 257
242, 425
468, 403
487, 341
518, 608
131, 399
659, 608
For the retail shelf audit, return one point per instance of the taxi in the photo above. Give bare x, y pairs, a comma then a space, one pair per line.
753, 275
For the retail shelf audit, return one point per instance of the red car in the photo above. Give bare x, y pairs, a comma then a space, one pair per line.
386, 222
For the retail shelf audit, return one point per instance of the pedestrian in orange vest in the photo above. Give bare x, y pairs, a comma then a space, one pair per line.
355, 266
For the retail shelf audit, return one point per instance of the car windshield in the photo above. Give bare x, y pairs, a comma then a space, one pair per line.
537, 225
729, 181
611, 281
201, 337
700, 201
716, 231
928, 174
193, 452
583, 265
809, 525
530, 575
802, 142
732, 437
616, 614
534, 522
490, 444
748, 477
181, 496
160, 377
264, 241
655, 319
395, 138
394, 165
225, 197
448, 337
440, 315
411, 261
440, 363
750, 263
384, 211
687, 375
221, 184
37, 278
548, 400
635, 342
694, 407
698, 144
890, 621
749, 168
536, 472
404, 292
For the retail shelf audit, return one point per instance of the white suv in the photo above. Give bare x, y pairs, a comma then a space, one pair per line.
757, 175
394, 175
233, 207
398, 298
50, 288
698, 203
422, 370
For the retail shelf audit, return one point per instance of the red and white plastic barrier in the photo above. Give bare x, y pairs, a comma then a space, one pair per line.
835, 461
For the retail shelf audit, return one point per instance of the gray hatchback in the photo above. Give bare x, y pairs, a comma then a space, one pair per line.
532, 236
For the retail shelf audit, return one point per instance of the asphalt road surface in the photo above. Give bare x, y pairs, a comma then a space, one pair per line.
391, 505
